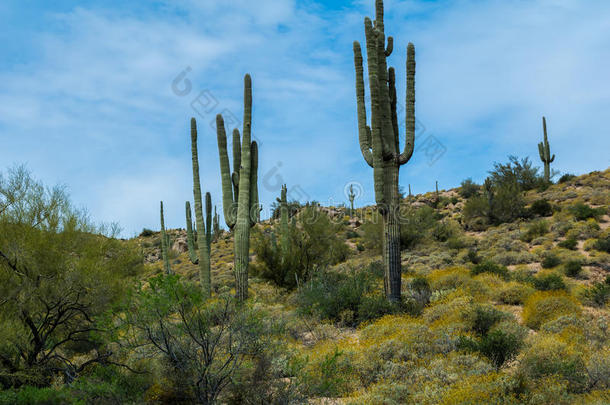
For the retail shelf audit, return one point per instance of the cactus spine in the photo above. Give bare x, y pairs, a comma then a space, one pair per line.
379, 143
203, 231
545, 153
164, 244
351, 197
240, 189
190, 238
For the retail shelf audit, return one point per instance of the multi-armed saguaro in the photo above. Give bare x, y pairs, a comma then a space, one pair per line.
379, 143
204, 236
164, 244
545, 153
240, 189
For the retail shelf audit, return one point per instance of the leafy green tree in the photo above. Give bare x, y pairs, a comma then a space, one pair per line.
57, 275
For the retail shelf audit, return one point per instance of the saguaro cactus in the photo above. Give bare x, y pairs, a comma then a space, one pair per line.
190, 238
284, 232
203, 229
545, 153
379, 143
164, 244
240, 189
351, 197
215, 226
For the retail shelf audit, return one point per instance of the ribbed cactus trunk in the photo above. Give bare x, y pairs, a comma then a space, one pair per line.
379, 143
190, 237
203, 238
164, 244
240, 189
545, 153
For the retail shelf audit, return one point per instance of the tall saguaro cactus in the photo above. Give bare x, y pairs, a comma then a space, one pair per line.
283, 200
203, 229
164, 244
351, 197
215, 226
240, 188
545, 153
190, 238
379, 143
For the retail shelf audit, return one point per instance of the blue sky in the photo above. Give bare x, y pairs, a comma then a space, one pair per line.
86, 97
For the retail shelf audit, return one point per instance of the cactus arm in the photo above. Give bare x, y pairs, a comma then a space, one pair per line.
364, 132
410, 107
552, 159
236, 163
541, 151
390, 47
254, 206
225, 173
394, 115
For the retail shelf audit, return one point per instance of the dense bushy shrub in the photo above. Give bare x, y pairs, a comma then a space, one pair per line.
146, 232
599, 294
416, 224
516, 171
484, 317
350, 298
551, 357
469, 188
312, 243
550, 260
548, 282
602, 244
566, 177
545, 306
514, 293
490, 267
582, 212
541, 208
535, 229
569, 243
573, 268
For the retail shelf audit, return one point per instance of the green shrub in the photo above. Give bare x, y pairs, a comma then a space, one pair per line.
599, 294
545, 306
469, 188
456, 242
551, 357
569, 243
514, 293
350, 234
535, 229
330, 295
146, 232
476, 213
515, 171
417, 223
490, 267
29, 395
541, 208
312, 244
499, 346
582, 212
420, 290
566, 178
573, 268
485, 317
548, 282
602, 244
550, 260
